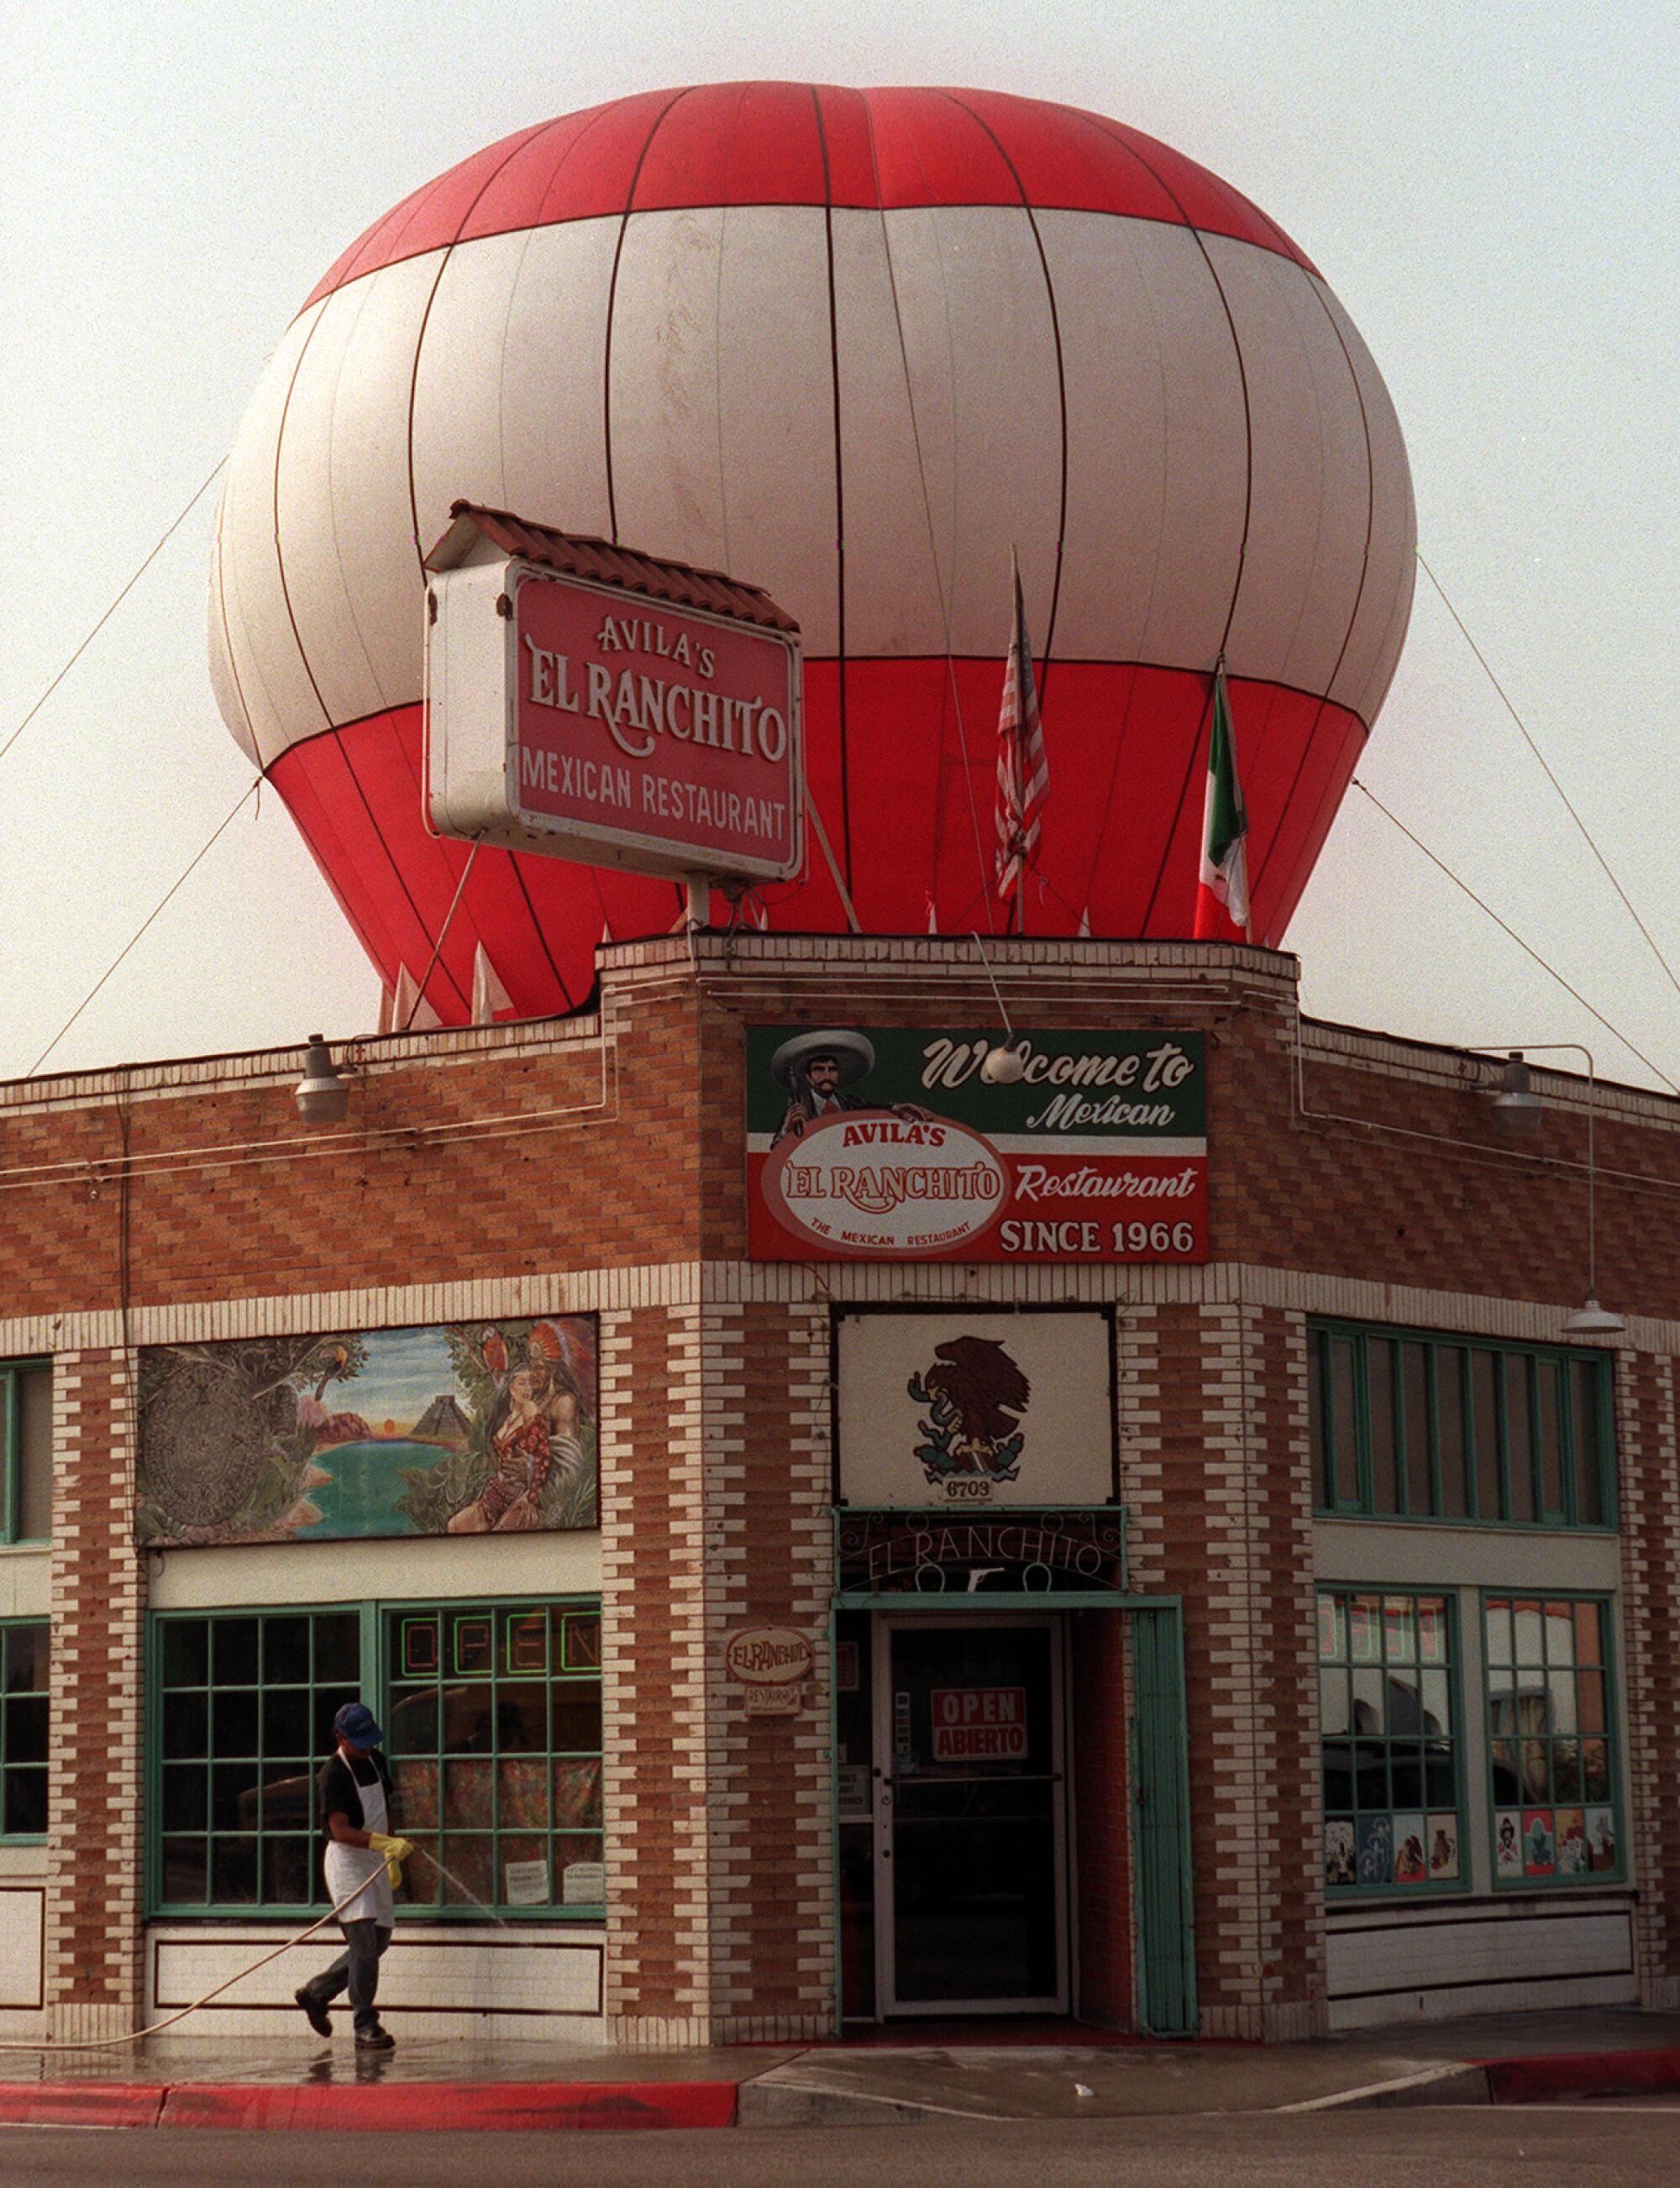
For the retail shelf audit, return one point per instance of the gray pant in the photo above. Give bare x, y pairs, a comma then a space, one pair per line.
356, 1969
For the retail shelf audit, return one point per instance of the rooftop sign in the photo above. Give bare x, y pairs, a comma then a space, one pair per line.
608, 706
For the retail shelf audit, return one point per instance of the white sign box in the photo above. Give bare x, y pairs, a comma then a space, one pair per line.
577, 719
963, 1411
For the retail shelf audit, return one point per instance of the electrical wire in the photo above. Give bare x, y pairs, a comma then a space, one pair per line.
1569, 803
1505, 927
157, 550
243, 799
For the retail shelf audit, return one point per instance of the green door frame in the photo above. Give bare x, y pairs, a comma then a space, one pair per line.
1159, 1751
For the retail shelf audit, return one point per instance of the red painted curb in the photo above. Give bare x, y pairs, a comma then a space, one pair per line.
415, 2105
80, 2103
1544, 2079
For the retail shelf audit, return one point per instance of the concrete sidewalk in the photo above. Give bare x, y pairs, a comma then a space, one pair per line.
175, 2081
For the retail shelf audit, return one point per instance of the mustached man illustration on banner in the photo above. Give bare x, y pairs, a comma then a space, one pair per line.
817, 1067
1222, 912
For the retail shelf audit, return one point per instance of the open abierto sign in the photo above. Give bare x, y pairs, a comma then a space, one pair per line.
979, 1724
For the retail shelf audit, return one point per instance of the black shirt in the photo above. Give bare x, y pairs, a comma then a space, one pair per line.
337, 1792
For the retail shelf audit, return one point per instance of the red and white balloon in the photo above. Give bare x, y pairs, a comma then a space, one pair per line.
852, 347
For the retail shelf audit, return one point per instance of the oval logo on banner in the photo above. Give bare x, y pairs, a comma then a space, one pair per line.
866, 1182
767, 1655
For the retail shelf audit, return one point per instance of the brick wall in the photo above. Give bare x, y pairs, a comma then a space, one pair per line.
1215, 1476
597, 1164
92, 1975
1646, 1434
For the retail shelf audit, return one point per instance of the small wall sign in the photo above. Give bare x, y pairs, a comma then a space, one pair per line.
772, 1664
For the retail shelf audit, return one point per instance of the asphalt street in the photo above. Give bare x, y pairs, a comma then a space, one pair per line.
1602, 2145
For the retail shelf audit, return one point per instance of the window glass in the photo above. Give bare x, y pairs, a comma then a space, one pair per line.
492, 1719
1551, 1445
1415, 1395
1520, 1437
1588, 1466
1384, 1475
1316, 1342
1450, 1416
1551, 1742
1390, 1754
32, 1493
1484, 1401
1345, 1424
23, 1729
495, 1712
1447, 1429
245, 1711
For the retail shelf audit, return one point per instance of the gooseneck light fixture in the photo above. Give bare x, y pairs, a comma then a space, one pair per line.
323, 1093
1518, 1108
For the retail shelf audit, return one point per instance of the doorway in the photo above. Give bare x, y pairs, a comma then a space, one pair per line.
966, 1828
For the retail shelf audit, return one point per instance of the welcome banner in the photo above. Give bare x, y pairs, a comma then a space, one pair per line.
884, 1143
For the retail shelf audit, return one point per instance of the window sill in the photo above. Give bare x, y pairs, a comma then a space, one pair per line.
1550, 1529
503, 1918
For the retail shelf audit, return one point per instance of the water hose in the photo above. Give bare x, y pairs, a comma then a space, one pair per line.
134, 2036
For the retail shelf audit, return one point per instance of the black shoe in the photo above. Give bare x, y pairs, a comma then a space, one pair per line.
314, 2012
375, 2039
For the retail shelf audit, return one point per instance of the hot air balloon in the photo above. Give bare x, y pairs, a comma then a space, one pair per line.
857, 347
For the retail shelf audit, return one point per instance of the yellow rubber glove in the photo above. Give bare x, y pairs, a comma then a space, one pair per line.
395, 1851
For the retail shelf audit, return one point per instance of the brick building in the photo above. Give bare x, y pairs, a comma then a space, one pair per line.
1339, 1692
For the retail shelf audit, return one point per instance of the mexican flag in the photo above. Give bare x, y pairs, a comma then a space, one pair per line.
1222, 896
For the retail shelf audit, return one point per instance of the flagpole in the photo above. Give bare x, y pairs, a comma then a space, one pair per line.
1247, 896
1018, 909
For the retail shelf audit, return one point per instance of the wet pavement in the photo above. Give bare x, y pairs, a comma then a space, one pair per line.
876, 2081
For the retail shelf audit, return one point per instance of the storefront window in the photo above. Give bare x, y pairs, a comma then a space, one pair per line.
243, 1711
1388, 1725
23, 1729
492, 1713
495, 1731
1552, 1739
1405, 1426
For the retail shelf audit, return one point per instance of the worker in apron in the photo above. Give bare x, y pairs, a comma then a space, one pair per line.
362, 1858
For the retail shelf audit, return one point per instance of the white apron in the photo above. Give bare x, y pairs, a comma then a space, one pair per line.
348, 1866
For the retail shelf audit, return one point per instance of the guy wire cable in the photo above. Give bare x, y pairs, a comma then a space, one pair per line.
1506, 927
156, 551
1568, 805
243, 799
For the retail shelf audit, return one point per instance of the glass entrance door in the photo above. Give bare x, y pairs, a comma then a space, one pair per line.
970, 1892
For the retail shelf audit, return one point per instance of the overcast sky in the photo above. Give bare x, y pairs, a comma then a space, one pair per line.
1490, 188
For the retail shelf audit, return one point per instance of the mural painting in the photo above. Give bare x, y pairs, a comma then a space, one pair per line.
486, 1428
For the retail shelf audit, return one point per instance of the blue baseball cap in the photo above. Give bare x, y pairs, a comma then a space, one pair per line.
356, 1722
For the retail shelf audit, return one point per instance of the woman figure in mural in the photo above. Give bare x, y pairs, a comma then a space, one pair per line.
532, 1428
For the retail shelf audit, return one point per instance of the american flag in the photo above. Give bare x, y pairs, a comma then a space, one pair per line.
1023, 771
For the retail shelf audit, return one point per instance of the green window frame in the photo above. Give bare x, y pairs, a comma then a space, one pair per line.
1391, 1743
1405, 1424
494, 1730
26, 1452
1553, 1758
26, 1648
239, 1710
